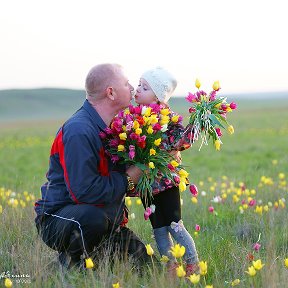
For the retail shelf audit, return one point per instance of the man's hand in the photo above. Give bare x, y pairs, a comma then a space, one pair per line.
135, 173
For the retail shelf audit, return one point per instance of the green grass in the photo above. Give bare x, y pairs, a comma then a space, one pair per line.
225, 239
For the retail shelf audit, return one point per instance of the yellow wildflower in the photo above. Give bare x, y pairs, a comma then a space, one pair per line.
235, 282
164, 259
149, 250
194, 200
177, 251
180, 271
281, 176
203, 267
251, 271
89, 263
8, 283
116, 285
258, 264
194, 278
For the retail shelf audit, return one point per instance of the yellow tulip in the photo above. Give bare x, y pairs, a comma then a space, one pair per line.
8, 283
121, 148
182, 186
230, 129
174, 163
175, 118
89, 263
180, 271
149, 250
138, 131
177, 251
164, 111
217, 145
183, 174
157, 142
151, 165
136, 124
116, 285
152, 151
235, 282
216, 85
164, 259
286, 262
197, 83
150, 130
194, 200
203, 267
123, 136
194, 278
258, 264
251, 271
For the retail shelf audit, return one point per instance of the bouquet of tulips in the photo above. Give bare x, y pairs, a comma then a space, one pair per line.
208, 114
135, 137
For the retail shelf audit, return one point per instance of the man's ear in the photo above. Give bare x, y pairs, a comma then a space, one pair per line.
110, 93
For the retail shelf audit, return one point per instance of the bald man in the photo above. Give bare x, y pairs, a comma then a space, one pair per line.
83, 201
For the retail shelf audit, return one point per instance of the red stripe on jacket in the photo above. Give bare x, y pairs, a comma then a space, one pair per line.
58, 147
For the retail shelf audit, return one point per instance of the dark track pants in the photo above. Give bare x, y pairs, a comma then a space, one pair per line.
85, 229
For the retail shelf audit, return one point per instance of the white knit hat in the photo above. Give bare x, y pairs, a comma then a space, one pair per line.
161, 82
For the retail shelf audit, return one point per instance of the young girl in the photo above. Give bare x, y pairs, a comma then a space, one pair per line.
157, 86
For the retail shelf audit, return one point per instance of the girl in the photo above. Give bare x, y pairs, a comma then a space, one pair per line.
156, 86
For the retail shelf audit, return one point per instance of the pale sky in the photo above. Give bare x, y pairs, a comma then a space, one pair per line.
243, 44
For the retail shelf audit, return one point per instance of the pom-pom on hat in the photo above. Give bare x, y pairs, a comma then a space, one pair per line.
162, 82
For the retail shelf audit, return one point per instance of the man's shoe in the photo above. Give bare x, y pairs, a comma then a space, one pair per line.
67, 262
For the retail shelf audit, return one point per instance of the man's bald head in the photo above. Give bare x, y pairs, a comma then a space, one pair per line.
101, 77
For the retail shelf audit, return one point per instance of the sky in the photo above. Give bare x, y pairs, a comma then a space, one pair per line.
54, 43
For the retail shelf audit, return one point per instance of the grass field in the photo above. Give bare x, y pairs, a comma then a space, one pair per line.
252, 165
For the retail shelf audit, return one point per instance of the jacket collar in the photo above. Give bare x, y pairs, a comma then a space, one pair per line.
94, 114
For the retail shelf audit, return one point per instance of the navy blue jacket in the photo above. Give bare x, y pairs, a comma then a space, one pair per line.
79, 171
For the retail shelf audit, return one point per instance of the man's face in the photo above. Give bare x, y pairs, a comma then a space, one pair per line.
123, 89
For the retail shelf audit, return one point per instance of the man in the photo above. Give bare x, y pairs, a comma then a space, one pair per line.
82, 203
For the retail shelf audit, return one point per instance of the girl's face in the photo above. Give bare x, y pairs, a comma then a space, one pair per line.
144, 94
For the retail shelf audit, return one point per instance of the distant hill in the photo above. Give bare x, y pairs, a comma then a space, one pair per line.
50, 103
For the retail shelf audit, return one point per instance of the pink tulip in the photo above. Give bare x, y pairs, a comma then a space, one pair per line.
218, 131
233, 105
256, 246
211, 209
193, 189
147, 213
191, 97
197, 227
102, 135
252, 202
